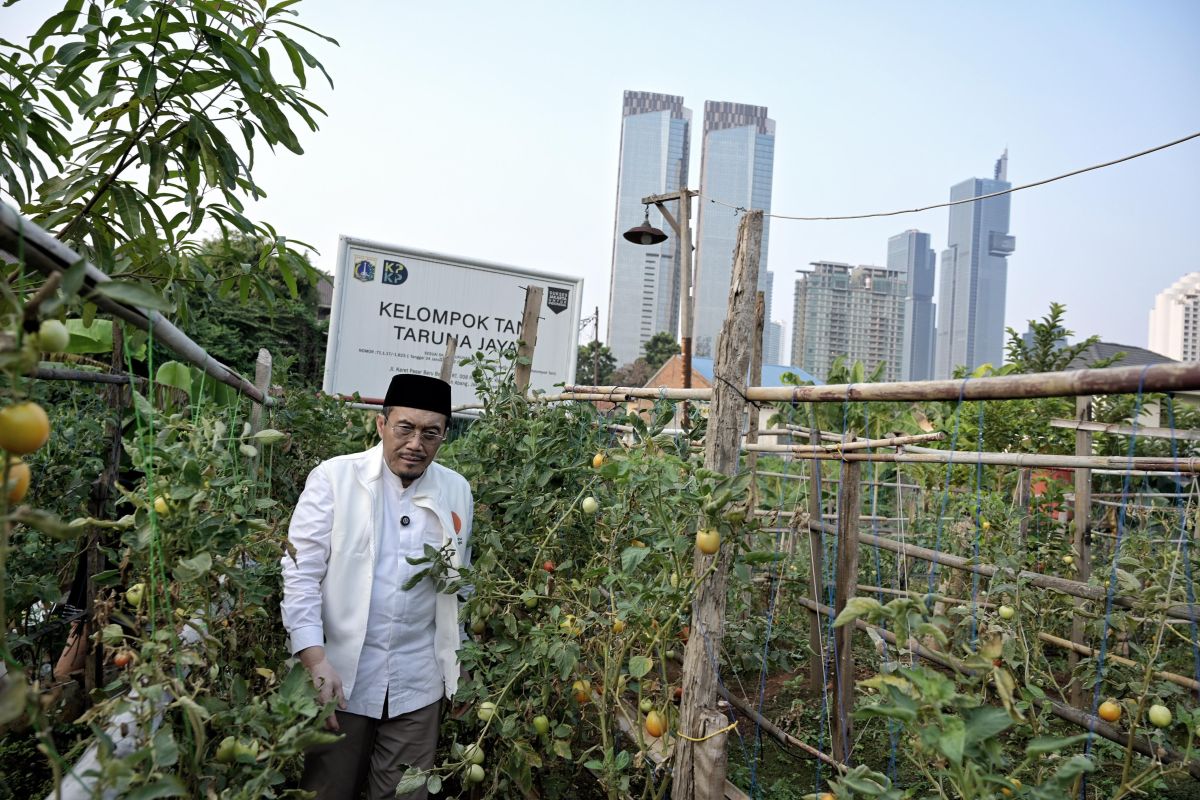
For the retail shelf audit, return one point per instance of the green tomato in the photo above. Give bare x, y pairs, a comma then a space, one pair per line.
541, 724
473, 753
53, 336
487, 710
1007, 612
134, 594
646, 705
589, 505
475, 774
227, 750
1159, 715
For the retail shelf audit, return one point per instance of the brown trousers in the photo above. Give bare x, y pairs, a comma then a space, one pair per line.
373, 753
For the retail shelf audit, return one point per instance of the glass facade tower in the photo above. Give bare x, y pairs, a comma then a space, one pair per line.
737, 162
970, 327
909, 254
643, 294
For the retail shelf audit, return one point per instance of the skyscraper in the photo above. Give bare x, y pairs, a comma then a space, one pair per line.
856, 312
970, 326
1175, 320
737, 162
909, 253
771, 350
643, 294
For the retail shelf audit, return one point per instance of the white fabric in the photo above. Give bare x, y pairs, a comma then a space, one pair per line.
397, 660
337, 531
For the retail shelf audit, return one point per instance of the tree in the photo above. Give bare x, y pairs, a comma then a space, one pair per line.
595, 363
138, 122
659, 348
1047, 350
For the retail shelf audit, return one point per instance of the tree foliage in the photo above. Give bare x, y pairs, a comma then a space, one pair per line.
595, 364
133, 123
659, 348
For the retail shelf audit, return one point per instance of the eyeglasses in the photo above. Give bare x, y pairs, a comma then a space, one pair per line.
404, 432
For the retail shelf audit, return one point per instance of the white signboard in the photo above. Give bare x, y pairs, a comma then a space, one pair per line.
394, 307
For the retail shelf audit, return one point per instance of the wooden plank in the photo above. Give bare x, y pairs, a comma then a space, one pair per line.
448, 358
816, 565
1081, 542
528, 341
845, 582
721, 454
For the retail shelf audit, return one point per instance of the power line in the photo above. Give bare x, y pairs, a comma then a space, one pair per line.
969, 199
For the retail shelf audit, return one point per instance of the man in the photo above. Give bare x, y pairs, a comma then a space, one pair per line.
388, 656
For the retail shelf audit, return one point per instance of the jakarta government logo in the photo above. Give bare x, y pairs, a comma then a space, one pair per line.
394, 273
364, 269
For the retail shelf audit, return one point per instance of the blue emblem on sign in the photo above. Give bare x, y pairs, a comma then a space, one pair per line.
364, 269
394, 273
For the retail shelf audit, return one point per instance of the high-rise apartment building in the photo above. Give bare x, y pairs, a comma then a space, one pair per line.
774, 344
643, 294
970, 322
909, 253
856, 312
1175, 320
737, 162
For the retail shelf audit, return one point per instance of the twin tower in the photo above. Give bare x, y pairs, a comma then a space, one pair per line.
964, 327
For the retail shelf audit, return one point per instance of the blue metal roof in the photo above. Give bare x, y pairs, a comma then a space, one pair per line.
772, 374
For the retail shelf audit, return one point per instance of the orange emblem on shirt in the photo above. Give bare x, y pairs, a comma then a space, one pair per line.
457, 522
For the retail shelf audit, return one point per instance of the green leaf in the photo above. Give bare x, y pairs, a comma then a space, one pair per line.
985, 722
631, 557
131, 293
412, 780
639, 666
46, 522
953, 739
189, 569
856, 607
1052, 744
166, 786
176, 375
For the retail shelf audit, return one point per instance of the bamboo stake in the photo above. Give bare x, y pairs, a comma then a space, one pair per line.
448, 358
1172, 377
1081, 540
845, 581
49, 256
1084, 650
1051, 582
1126, 430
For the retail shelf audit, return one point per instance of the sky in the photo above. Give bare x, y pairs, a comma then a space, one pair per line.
492, 131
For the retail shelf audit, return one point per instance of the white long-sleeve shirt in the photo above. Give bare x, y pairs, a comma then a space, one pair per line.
397, 662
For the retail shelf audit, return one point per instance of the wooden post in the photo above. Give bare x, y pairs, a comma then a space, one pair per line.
1081, 541
756, 356
816, 563
844, 589
699, 703
448, 359
262, 382
116, 397
529, 326
1024, 483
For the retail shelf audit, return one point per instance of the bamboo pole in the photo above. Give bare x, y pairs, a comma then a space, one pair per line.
1126, 430
816, 665
1051, 582
448, 358
692, 780
49, 256
1084, 650
84, 376
1143, 745
777, 733
1172, 377
921, 455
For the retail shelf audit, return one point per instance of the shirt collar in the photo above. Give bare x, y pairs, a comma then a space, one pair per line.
393, 480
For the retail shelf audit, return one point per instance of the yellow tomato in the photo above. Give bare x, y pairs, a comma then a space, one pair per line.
24, 427
18, 480
708, 541
655, 724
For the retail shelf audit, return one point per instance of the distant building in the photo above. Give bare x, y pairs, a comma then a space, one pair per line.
771, 348
643, 296
737, 162
855, 312
1175, 320
970, 325
909, 253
